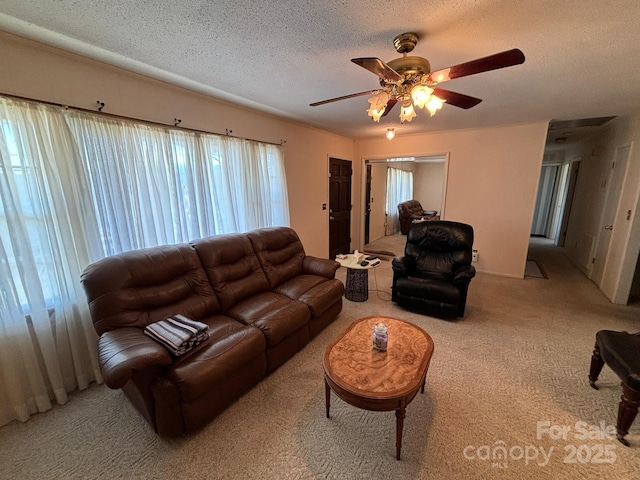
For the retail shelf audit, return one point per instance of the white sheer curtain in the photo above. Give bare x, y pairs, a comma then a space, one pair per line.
399, 189
153, 186
75, 187
47, 341
249, 187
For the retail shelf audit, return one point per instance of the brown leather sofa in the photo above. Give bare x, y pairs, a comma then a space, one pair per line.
261, 296
410, 211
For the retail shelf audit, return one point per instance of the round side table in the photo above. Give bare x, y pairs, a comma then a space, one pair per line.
357, 287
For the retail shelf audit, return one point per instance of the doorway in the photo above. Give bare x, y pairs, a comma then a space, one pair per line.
542, 216
567, 202
429, 188
340, 173
554, 199
367, 206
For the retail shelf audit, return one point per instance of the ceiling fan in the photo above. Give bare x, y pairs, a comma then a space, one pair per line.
410, 81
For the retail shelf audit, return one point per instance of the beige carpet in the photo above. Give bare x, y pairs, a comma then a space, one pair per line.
532, 269
387, 247
520, 357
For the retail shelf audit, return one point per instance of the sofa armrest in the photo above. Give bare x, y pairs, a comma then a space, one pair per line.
464, 274
320, 266
124, 351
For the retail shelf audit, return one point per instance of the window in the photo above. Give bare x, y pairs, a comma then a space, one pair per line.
75, 187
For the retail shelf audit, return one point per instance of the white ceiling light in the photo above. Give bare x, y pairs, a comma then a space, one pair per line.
390, 133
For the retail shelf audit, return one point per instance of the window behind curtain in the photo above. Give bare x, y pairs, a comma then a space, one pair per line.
151, 185
75, 187
399, 189
148, 185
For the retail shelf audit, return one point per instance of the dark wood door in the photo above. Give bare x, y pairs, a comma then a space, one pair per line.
339, 206
367, 207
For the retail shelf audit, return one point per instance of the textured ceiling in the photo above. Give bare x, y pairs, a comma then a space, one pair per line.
280, 55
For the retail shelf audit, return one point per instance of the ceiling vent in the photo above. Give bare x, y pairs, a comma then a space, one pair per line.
579, 123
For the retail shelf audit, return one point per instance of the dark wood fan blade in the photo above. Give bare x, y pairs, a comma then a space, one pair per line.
390, 105
344, 97
456, 99
377, 66
485, 64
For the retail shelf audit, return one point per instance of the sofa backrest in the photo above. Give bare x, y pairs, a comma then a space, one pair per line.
279, 251
136, 288
439, 247
232, 267
410, 207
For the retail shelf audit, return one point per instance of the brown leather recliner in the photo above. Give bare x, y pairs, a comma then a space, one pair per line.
410, 212
260, 295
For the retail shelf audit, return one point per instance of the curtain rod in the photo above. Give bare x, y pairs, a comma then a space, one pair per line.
101, 105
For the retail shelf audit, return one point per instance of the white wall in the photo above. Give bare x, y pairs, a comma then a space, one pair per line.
492, 183
428, 184
492, 177
33, 70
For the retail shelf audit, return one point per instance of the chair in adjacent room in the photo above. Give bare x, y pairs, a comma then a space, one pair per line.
410, 212
621, 351
434, 274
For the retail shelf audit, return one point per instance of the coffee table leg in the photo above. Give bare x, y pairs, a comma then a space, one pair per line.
327, 396
400, 414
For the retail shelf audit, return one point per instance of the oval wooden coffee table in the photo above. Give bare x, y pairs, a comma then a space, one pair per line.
378, 381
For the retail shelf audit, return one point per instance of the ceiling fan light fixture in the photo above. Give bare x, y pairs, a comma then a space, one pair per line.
407, 112
391, 133
378, 104
434, 104
420, 95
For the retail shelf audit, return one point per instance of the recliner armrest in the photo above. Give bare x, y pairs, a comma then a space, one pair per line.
402, 265
464, 273
124, 351
320, 266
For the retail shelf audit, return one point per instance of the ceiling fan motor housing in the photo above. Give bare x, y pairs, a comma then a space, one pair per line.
405, 42
411, 67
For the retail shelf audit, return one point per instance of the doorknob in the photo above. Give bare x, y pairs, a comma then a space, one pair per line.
331, 217
608, 227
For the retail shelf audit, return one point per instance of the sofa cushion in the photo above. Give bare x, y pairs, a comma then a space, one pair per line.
317, 293
280, 253
421, 287
232, 267
136, 288
298, 285
275, 315
230, 346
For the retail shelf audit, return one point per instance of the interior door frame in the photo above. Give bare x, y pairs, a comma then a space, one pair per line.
367, 204
381, 158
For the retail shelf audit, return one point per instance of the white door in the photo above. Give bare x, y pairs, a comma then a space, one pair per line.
614, 187
615, 264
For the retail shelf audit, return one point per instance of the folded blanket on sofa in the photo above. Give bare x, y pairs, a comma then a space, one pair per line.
178, 333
